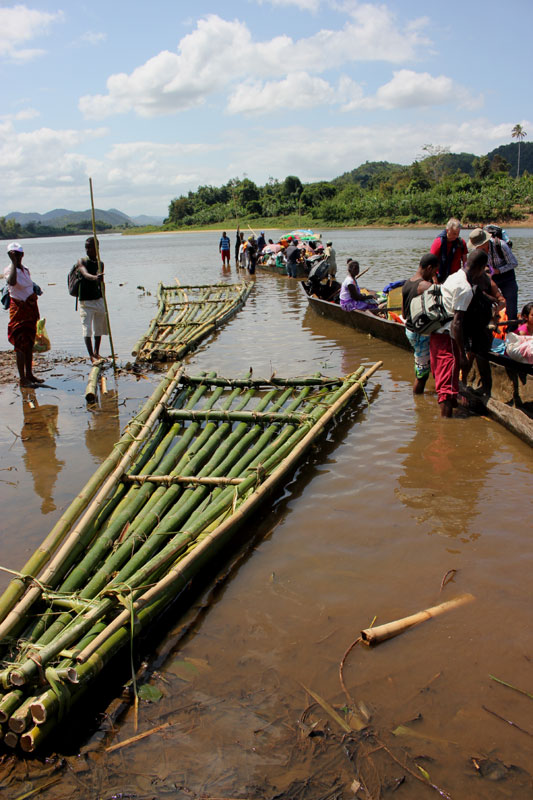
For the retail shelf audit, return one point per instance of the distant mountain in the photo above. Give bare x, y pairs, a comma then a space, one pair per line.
143, 219
60, 217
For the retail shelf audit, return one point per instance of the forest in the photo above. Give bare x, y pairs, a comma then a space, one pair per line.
432, 189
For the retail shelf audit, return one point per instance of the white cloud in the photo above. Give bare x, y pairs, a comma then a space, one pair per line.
304, 5
27, 113
171, 82
409, 89
93, 38
20, 24
298, 90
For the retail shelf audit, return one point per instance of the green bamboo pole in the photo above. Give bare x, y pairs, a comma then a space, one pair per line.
235, 416
97, 246
9, 703
89, 498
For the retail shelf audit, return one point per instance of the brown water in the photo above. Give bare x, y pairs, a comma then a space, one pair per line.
368, 527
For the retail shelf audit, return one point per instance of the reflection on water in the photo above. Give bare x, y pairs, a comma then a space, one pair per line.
103, 424
38, 436
442, 480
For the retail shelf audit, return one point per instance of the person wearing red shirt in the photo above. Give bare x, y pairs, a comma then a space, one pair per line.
450, 249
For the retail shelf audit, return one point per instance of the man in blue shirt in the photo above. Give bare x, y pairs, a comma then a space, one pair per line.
224, 248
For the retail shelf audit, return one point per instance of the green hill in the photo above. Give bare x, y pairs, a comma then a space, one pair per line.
510, 152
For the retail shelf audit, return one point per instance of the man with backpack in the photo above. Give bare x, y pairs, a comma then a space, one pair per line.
88, 281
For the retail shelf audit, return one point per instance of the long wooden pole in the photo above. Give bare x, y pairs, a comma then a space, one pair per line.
100, 273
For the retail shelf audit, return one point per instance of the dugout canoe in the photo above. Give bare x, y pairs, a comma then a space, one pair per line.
497, 386
301, 271
192, 466
362, 321
186, 315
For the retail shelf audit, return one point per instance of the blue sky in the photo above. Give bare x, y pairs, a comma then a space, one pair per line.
153, 99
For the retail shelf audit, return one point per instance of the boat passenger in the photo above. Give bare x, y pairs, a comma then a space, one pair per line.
293, 255
332, 261
251, 254
447, 344
425, 275
526, 328
351, 298
261, 242
450, 248
502, 263
239, 237
23, 313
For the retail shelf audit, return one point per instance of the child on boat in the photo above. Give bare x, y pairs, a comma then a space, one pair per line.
526, 328
351, 297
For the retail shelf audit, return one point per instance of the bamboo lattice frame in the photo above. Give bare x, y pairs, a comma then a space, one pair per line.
185, 316
205, 452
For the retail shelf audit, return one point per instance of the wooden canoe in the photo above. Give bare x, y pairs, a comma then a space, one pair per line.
362, 321
301, 272
196, 462
186, 315
497, 385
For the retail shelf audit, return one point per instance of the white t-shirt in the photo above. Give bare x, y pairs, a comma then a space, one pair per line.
24, 285
457, 295
345, 292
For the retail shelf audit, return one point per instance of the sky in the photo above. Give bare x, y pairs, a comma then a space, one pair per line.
153, 99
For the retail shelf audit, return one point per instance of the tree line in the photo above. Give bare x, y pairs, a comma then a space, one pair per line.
435, 187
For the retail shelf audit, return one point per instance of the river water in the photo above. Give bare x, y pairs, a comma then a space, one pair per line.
366, 529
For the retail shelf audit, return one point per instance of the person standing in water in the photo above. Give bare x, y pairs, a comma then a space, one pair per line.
425, 275
92, 306
23, 313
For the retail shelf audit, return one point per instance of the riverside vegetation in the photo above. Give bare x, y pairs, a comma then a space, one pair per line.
430, 190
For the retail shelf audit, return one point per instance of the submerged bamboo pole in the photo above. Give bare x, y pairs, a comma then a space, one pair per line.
91, 389
391, 629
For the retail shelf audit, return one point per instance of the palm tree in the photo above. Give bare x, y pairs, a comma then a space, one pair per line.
518, 133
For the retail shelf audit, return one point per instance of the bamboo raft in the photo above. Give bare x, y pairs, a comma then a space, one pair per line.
185, 316
190, 468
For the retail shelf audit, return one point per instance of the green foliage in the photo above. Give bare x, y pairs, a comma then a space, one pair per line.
430, 190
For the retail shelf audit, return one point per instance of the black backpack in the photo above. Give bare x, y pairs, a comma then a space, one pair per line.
74, 280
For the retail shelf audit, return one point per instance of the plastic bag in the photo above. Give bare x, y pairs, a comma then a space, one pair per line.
519, 347
42, 340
